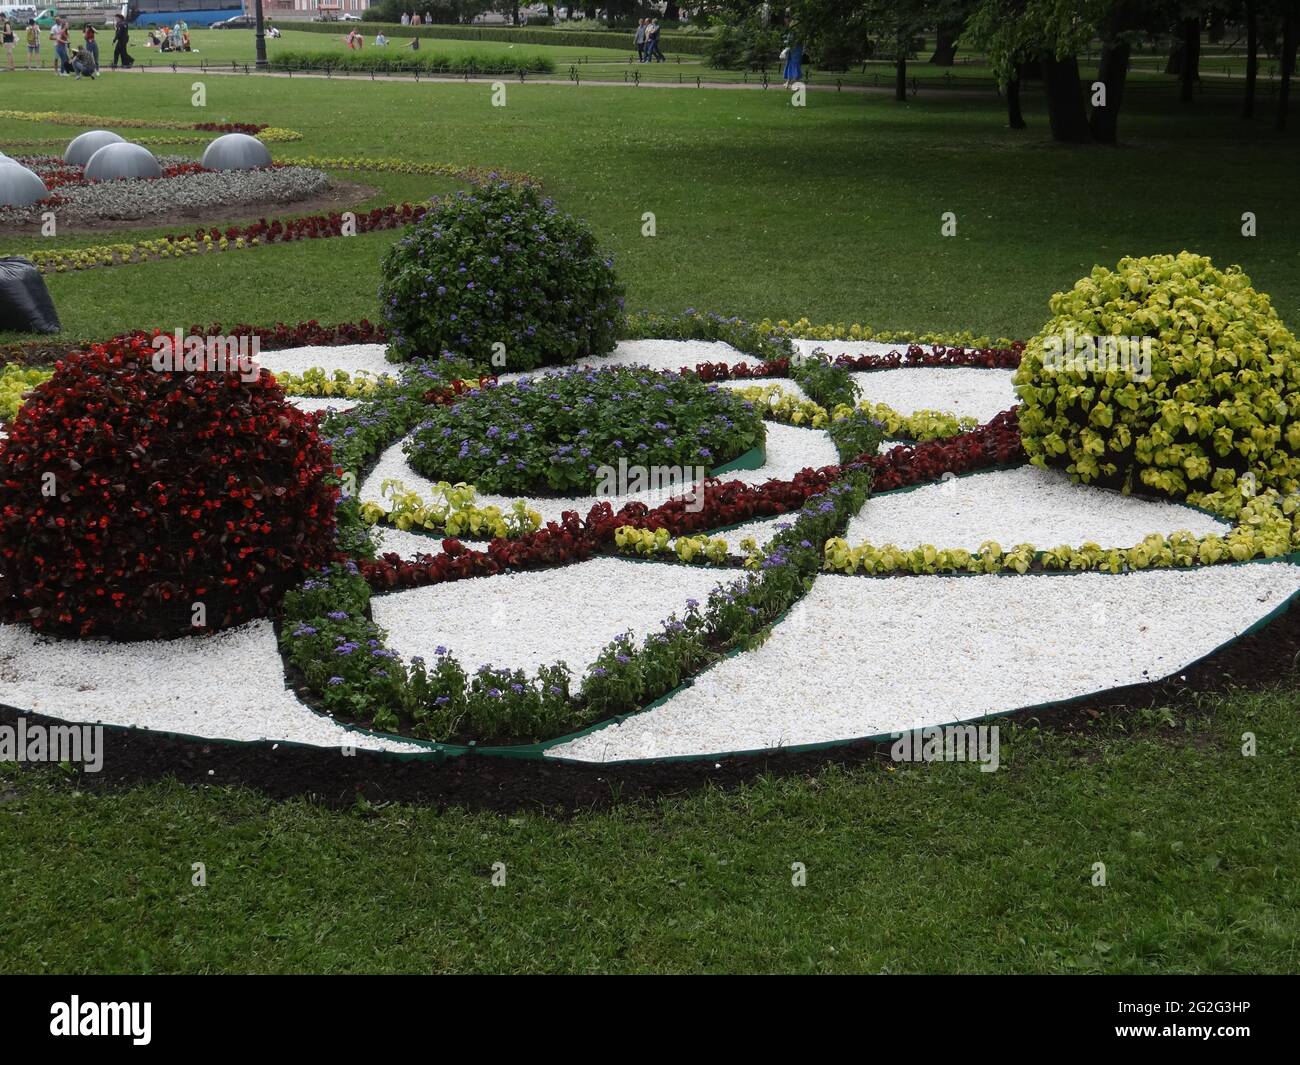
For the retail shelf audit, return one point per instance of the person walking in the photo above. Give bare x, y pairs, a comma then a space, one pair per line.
91, 45
33, 45
652, 43
639, 40
7, 39
121, 38
793, 70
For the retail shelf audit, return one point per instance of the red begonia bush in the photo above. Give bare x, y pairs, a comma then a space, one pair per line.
138, 502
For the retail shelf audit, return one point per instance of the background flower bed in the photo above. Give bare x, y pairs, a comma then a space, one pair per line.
184, 186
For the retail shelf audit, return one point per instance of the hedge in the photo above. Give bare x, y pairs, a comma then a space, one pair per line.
397, 60
687, 44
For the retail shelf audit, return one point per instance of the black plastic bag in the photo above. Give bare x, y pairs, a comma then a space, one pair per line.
25, 304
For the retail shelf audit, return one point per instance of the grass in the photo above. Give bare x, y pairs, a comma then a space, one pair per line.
832, 212
922, 869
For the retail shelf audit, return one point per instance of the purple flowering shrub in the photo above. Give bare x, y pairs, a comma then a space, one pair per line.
500, 265
327, 634
563, 431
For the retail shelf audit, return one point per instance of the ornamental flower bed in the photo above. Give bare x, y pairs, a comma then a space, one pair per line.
234, 237
766, 663
184, 186
555, 433
140, 502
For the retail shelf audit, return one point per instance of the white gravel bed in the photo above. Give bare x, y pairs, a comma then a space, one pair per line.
863, 656
353, 358
1018, 506
537, 618
315, 403
958, 390
789, 450
226, 686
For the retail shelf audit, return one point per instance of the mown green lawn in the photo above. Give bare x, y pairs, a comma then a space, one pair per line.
833, 212
934, 868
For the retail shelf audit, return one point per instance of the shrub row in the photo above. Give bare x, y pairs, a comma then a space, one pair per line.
689, 44
383, 60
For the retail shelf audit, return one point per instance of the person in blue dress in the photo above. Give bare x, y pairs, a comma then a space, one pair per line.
793, 56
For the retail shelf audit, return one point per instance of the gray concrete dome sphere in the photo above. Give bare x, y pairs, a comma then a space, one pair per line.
236, 151
81, 148
19, 187
122, 160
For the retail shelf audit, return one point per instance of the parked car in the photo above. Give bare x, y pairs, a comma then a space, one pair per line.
349, 18
238, 22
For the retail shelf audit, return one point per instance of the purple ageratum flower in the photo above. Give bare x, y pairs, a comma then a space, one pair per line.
334, 682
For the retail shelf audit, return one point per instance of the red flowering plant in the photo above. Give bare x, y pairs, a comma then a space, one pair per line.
996, 443
982, 358
251, 128
145, 502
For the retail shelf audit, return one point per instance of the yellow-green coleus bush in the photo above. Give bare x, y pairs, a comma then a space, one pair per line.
15, 383
453, 511
646, 542
1164, 374
317, 382
1266, 529
782, 406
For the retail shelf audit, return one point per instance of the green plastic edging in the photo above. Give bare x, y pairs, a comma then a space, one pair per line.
753, 459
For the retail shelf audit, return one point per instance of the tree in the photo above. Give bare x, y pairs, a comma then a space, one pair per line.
1118, 26
1252, 57
1290, 41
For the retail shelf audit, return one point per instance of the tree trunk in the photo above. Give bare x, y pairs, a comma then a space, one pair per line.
1289, 43
1216, 27
900, 78
1111, 72
1015, 119
945, 47
1190, 69
672, 12
1065, 109
1252, 58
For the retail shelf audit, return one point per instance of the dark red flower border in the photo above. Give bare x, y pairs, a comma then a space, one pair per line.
573, 539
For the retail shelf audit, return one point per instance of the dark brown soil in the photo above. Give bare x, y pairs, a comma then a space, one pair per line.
1253, 662
340, 196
